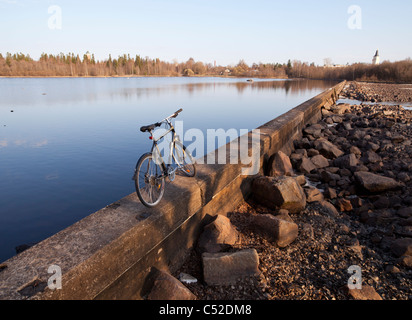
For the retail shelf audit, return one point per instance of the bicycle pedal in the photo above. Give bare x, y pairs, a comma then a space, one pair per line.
172, 174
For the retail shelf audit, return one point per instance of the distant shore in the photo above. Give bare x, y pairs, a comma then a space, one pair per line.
158, 76
366, 81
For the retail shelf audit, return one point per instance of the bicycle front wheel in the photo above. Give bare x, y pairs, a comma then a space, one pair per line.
149, 181
184, 159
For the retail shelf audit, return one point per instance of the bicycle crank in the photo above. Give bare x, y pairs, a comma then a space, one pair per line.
171, 173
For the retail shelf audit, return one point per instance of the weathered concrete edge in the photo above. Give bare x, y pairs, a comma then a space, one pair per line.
109, 254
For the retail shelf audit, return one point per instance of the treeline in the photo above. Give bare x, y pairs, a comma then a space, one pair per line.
400, 71
74, 65
71, 65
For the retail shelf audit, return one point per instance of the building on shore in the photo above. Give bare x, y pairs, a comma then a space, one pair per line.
376, 59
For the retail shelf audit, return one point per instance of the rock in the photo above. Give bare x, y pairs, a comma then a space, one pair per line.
313, 195
396, 139
166, 287
392, 269
376, 183
314, 130
329, 208
277, 230
330, 193
406, 222
343, 205
218, 235
381, 203
303, 152
340, 108
404, 177
320, 161
355, 150
307, 231
280, 165
402, 247
284, 215
347, 161
227, 268
279, 193
405, 261
306, 166
372, 146
312, 153
405, 212
303, 143
327, 149
356, 202
347, 126
300, 179
327, 176
366, 293
296, 159
371, 157
337, 119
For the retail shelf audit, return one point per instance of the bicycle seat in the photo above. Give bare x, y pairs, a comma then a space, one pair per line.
150, 127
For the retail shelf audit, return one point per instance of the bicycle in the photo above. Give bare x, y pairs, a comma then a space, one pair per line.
151, 169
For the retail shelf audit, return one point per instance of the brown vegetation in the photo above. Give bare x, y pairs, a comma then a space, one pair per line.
71, 65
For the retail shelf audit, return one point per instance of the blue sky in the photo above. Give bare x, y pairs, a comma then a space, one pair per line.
221, 30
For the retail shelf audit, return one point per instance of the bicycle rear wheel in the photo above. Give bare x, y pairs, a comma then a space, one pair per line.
184, 159
149, 181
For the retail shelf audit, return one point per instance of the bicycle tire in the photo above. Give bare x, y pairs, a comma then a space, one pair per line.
149, 181
183, 157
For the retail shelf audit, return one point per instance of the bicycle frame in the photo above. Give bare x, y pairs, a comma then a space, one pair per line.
155, 148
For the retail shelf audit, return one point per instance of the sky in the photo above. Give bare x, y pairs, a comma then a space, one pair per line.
224, 31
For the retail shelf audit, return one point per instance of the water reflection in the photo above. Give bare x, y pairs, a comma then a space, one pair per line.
287, 86
45, 91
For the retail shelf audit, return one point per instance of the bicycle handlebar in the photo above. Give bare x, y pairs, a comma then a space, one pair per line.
158, 124
174, 115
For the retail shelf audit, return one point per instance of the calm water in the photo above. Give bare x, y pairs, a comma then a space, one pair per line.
68, 147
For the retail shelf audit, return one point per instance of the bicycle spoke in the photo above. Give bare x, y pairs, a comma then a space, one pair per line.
149, 181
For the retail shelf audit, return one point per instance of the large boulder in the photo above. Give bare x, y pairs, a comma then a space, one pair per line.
402, 247
306, 166
226, 268
375, 183
347, 161
327, 149
320, 161
314, 130
279, 193
313, 195
275, 229
371, 157
167, 287
218, 235
280, 165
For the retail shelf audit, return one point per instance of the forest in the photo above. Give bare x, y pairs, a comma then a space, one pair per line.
74, 65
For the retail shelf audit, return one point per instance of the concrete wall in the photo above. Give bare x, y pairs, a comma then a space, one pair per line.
113, 253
